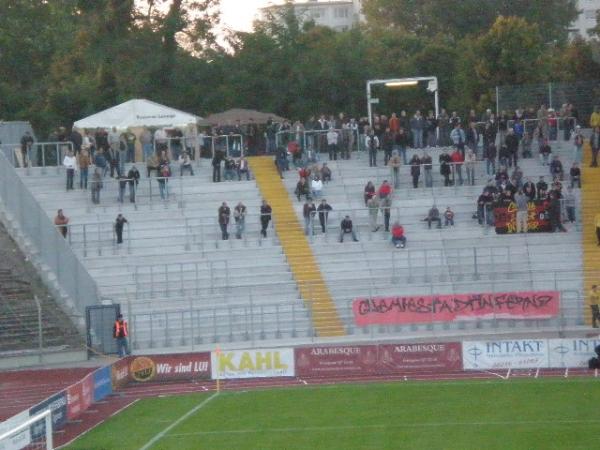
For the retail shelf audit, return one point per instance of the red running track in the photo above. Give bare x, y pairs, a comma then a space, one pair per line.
99, 412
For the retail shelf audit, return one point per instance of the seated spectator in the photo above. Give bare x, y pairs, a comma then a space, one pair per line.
501, 176
325, 173
346, 228
575, 174
506, 196
491, 188
230, 169
304, 172
243, 169
398, 238
369, 192
448, 217
316, 187
556, 168
185, 163
433, 216
302, 189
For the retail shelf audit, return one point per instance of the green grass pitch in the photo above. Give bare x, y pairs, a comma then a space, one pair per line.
513, 414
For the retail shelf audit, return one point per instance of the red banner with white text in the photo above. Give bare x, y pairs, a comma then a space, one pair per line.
449, 308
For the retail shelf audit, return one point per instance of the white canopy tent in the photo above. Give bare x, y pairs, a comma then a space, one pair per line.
137, 113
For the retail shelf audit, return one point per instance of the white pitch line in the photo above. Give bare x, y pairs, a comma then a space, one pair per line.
375, 426
191, 412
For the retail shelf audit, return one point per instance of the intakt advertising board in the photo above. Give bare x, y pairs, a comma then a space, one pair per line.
507, 354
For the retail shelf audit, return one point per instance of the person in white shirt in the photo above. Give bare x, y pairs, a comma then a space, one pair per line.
332, 143
316, 187
185, 163
114, 139
70, 163
160, 140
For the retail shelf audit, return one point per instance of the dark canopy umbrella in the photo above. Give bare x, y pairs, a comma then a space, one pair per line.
244, 116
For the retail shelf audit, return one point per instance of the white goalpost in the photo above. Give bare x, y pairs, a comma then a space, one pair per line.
33, 433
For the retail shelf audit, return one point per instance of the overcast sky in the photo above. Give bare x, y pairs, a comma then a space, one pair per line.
239, 14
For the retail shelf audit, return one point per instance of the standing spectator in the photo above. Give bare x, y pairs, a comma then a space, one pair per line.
443, 124
133, 178
332, 144
26, 145
146, 141
385, 203
545, 151
372, 144
122, 184
387, 143
597, 224
96, 186
417, 125
130, 139
489, 135
512, 146
308, 212
502, 125
595, 144
325, 173
578, 142
522, 202
243, 169
427, 163
120, 333
185, 164
113, 139
575, 174
484, 208
594, 297
457, 136
61, 223
373, 205
458, 159
415, 170
445, 170
224, 216
369, 191
323, 210
265, 217
216, 164
472, 137
433, 216
556, 168
448, 217
401, 142
394, 123
346, 228
490, 159
470, 162
505, 158
163, 181
119, 224
84, 165
431, 125
394, 163
239, 215
554, 211
160, 140
70, 163
398, 238
570, 202
541, 188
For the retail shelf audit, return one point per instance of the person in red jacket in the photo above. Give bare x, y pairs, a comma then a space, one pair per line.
457, 159
398, 238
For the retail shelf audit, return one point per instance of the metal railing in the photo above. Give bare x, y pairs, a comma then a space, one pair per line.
39, 154
52, 248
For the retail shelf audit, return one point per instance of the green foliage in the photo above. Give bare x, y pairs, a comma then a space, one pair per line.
64, 59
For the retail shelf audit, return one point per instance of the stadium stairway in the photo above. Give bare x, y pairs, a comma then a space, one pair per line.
590, 199
307, 273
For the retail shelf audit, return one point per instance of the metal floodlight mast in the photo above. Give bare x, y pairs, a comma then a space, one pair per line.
402, 82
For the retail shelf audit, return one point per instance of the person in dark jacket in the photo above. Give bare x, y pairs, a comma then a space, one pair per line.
512, 145
445, 170
323, 209
133, 177
119, 224
216, 164
415, 170
346, 228
224, 217
265, 217
490, 154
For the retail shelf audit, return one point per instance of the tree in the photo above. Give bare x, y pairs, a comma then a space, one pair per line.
464, 17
